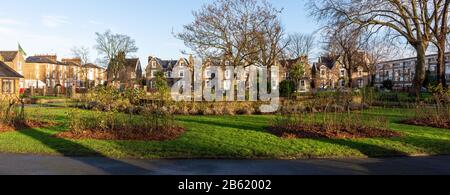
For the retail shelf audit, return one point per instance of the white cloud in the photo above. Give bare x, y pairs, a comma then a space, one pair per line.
95, 22
8, 21
54, 21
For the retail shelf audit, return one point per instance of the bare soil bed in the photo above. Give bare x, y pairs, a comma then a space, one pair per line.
338, 132
442, 124
131, 134
30, 124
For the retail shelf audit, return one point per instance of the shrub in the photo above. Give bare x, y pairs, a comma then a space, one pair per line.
388, 84
434, 116
287, 88
12, 112
150, 125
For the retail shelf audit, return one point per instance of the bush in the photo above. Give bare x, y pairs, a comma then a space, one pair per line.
152, 124
287, 88
388, 84
433, 116
12, 112
107, 98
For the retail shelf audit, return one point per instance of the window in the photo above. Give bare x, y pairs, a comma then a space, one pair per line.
181, 73
323, 73
342, 73
153, 64
227, 74
7, 86
341, 83
154, 73
360, 83
397, 75
19, 65
302, 83
227, 85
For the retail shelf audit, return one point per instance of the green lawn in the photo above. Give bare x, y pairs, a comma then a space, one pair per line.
239, 137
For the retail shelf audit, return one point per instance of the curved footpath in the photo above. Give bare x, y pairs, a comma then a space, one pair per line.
49, 165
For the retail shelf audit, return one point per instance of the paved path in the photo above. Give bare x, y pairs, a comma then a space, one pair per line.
45, 165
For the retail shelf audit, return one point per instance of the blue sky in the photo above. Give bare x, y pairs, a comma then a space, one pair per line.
56, 26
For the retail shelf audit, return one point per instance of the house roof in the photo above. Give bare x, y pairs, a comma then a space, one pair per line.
90, 65
165, 64
327, 61
8, 72
8, 56
40, 59
288, 63
132, 62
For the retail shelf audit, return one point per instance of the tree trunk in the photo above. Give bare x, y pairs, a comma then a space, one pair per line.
441, 63
372, 79
350, 79
420, 68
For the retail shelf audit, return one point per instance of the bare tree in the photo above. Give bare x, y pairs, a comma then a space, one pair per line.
299, 45
345, 43
82, 53
235, 31
407, 19
114, 48
379, 49
440, 31
268, 46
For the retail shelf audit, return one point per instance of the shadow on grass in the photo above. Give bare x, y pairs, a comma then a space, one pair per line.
368, 150
228, 124
429, 145
72, 150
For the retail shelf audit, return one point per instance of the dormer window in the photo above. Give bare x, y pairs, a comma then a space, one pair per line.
227, 74
181, 73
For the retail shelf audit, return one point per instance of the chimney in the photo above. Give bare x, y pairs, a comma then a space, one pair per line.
71, 60
48, 56
191, 60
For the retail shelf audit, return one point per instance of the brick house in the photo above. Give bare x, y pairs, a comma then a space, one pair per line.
156, 65
305, 84
402, 71
130, 76
9, 79
85, 75
16, 61
47, 73
332, 74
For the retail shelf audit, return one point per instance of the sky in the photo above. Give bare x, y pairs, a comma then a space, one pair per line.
57, 26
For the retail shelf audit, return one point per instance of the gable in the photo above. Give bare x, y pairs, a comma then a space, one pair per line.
8, 56
8, 72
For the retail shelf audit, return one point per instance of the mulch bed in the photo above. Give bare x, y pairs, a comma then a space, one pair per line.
427, 123
338, 132
156, 135
30, 124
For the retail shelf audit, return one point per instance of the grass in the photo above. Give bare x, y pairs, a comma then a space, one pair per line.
49, 97
237, 137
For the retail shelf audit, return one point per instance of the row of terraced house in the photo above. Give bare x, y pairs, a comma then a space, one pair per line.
402, 71
328, 73
45, 74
